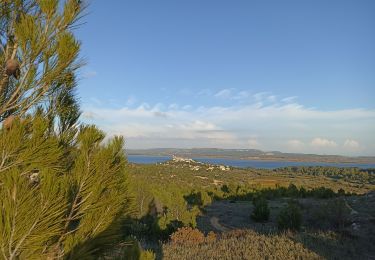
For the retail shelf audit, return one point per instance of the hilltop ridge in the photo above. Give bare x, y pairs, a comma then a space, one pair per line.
249, 154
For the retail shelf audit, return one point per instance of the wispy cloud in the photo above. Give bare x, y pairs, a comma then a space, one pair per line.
224, 93
289, 99
204, 92
295, 145
88, 74
322, 143
352, 144
253, 143
266, 123
241, 95
131, 101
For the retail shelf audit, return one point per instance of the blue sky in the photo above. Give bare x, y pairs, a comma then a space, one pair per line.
295, 76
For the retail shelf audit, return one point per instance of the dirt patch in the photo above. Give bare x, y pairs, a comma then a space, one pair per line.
201, 177
215, 223
217, 182
236, 215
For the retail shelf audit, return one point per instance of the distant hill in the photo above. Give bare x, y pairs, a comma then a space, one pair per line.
250, 154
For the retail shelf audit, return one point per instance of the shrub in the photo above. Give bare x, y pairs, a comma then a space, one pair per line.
332, 214
211, 237
292, 191
147, 255
261, 212
322, 193
187, 235
341, 192
338, 213
131, 251
247, 245
290, 217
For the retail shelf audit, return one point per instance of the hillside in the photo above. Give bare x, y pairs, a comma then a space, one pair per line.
214, 204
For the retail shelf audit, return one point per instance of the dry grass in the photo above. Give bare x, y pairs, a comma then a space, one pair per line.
242, 245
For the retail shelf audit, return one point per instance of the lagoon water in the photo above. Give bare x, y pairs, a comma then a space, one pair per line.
146, 159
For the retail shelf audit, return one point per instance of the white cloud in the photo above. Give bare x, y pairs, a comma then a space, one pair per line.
173, 106
241, 95
271, 98
351, 144
279, 125
131, 101
322, 142
253, 143
89, 115
96, 101
289, 99
204, 92
88, 74
295, 144
260, 96
160, 114
224, 93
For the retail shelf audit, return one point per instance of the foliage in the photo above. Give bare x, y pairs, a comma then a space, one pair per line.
182, 194
332, 214
187, 235
290, 217
261, 212
147, 255
350, 174
198, 198
211, 237
131, 250
249, 245
37, 37
54, 209
338, 213
64, 191
341, 192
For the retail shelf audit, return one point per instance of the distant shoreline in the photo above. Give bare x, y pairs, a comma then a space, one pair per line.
344, 160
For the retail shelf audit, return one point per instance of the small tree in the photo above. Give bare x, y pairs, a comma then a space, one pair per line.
290, 217
261, 212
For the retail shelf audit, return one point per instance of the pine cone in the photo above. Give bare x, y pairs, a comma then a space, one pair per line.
12, 68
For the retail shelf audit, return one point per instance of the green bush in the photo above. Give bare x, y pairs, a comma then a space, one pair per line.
338, 213
147, 255
341, 192
333, 214
261, 212
131, 251
290, 217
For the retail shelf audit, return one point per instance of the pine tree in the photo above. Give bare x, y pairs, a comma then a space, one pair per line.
38, 53
54, 209
64, 191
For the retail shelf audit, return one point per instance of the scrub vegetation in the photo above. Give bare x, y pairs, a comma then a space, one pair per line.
313, 212
68, 192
